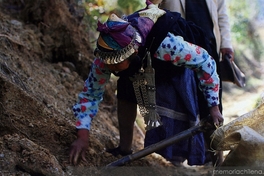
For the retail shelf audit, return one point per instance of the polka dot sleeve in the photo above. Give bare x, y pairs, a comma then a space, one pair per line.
92, 94
181, 53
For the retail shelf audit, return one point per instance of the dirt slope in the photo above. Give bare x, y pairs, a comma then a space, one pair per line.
44, 57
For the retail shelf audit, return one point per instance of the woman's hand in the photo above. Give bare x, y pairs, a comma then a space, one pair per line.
79, 146
229, 52
217, 117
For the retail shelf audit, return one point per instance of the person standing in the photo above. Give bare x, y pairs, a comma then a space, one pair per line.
212, 17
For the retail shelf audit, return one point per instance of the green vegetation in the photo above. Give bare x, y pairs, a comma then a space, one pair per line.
246, 39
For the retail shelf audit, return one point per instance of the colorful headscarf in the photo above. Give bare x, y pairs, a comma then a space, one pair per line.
116, 41
119, 38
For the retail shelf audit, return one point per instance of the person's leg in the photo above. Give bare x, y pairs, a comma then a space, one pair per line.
216, 157
126, 112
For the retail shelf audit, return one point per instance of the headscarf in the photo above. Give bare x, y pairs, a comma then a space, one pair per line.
120, 38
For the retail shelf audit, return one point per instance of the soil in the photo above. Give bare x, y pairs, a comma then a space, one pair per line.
45, 56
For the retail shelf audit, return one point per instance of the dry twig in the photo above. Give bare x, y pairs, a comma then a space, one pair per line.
11, 39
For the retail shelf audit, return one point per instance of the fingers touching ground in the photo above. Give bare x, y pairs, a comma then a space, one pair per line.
79, 147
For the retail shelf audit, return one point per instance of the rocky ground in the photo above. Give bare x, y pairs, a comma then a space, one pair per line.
45, 55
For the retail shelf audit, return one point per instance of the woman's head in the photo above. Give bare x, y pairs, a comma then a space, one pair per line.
119, 39
116, 42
